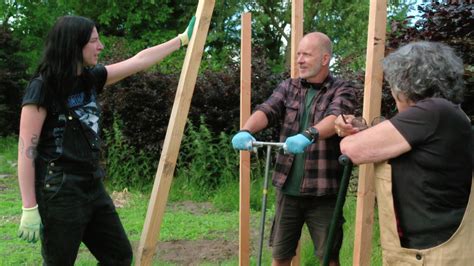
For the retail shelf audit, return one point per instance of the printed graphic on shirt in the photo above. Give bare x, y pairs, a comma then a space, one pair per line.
58, 133
88, 112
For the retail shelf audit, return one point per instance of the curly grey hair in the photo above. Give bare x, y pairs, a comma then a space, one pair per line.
422, 70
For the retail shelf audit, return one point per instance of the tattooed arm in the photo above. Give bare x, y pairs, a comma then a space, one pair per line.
31, 123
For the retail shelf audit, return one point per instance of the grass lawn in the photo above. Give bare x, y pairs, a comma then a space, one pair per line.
191, 232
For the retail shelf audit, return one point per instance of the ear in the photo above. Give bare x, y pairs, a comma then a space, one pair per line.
326, 59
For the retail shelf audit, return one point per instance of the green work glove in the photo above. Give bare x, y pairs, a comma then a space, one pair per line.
186, 35
30, 224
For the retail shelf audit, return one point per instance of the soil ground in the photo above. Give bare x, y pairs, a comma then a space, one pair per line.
190, 252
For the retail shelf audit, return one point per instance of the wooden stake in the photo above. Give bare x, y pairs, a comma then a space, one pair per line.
174, 134
296, 36
296, 33
245, 98
372, 102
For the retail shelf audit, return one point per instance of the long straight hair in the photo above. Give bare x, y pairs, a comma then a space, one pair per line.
62, 59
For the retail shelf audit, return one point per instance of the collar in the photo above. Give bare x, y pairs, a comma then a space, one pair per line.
317, 86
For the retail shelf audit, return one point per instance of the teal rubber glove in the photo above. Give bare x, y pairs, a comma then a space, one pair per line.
30, 224
297, 143
242, 141
186, 35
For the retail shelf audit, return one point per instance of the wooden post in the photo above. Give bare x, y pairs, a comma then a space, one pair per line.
296, 36
174, 134
296, 33
245, 98
372, 102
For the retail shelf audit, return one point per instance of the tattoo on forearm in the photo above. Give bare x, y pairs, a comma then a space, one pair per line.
35, 140
31, 151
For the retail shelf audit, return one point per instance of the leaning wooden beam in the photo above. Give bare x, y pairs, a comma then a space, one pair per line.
245, 96
174, 134
296, 36
372, 102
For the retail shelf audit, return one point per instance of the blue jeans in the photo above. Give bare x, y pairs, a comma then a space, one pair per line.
74, 209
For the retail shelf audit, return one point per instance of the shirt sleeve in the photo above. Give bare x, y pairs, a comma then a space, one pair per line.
344, 100
100, 75
418, 123
273, 107
34, 93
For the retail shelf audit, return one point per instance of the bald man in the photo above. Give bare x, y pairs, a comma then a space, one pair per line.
307, 176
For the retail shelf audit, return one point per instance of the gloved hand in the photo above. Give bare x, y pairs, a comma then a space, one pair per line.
186, 35
297, 143
30, 224
242, 141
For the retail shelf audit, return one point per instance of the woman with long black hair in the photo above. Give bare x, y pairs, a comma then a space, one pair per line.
64, 200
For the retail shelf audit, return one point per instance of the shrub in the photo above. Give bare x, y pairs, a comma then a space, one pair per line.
206, 160
126, 167
143, 103
12, 82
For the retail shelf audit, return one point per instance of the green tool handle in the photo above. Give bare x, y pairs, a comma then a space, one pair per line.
341, 198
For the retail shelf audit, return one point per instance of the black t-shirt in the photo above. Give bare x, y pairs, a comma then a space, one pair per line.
431, 183
81, 104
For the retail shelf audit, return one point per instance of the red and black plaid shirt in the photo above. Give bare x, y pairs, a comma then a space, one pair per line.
322, 172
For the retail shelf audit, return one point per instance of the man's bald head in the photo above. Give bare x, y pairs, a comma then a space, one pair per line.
321, 40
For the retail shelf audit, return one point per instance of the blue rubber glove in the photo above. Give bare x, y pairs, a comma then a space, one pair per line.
242, 141
297, 143
186, 35
30, 224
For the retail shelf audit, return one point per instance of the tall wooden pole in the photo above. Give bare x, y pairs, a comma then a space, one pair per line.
245, 98
174, 134
372, 102
296, 36
296, 33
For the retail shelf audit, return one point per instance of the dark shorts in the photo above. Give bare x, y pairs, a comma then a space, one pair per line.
75, 209
291, 213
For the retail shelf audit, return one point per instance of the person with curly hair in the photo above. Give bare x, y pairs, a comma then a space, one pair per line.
429, 147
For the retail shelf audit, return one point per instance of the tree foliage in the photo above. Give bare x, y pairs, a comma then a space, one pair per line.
452, 24
139, 24
12, 82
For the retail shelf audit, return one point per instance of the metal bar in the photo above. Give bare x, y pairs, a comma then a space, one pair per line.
263, 143
264, 205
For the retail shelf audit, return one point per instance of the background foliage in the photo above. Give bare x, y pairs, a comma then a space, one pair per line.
141, 104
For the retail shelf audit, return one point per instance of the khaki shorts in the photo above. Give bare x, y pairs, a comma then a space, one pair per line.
291, 213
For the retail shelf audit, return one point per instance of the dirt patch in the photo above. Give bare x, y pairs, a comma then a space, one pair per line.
184, 252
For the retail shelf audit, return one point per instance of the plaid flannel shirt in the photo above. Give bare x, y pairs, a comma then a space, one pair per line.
322, 172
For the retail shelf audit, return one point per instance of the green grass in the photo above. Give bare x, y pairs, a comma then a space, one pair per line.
218, 222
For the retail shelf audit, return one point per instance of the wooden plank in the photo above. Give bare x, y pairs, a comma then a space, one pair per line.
296, 33
174, 134
245, 99
296, 36
372, 102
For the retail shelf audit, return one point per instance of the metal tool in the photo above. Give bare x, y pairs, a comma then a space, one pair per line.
341, 198
269, 145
